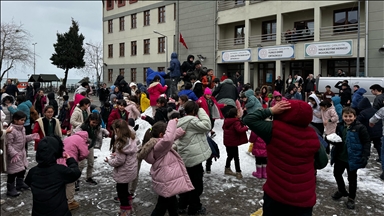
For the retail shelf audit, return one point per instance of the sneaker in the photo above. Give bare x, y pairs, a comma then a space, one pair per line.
91, 181
77, 185
350, 203
228, 171
338, 195
73, 205
201, 211
116, 199
133, 195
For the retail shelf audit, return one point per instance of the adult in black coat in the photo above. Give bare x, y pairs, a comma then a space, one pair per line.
345, 95
186, 67
375, 133
103, 94
124, 87
48, 179
118, 79
226, 89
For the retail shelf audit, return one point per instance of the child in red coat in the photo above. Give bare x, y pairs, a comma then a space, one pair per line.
155, 90
260, 151
235, 134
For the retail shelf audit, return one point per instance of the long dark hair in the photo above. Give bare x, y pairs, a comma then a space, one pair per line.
122, 134
91, 117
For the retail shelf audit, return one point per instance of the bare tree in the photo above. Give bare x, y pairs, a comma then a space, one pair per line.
15, 47
93, 60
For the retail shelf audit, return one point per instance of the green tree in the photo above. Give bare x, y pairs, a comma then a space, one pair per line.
69, 51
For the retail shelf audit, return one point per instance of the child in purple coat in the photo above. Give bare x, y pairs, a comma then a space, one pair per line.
259, 150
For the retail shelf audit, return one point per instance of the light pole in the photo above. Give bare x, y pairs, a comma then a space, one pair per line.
166, 47
97, 62
34, 58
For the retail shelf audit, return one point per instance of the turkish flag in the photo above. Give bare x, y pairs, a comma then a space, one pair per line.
181, 40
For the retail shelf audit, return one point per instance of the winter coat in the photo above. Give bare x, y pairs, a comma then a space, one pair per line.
310, 85
48, 179
190, 94
275, 94
144, 102
379, 101
376, 118
105, 112
330, 120
226, 89
259, 147
174, 66
357, 97
41, 125
155, 90
198, 88
316, 117
160, 115
76, 146
43, 101
234, 132
168, 172
151, 74
132, 110
16, 146
115, 114
338, 107
125, 163
216, 108
208, 81
77, 100
100, 133
366, 112
53, 102
187, 66
124, 88
358, 145
25, 107
3, 147
77, 117
252, 103
346, 96
7, 112
193, 147
118, 79
103, 94
79, 90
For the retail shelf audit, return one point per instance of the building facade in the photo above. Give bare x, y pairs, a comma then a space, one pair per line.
375, 42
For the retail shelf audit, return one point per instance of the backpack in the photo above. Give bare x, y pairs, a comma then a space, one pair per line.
214, 148
34, 115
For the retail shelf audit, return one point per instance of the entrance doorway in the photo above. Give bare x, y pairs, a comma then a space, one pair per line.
303, 68
266, 73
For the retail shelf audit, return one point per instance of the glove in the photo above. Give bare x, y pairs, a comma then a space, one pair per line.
15, 158
143, 117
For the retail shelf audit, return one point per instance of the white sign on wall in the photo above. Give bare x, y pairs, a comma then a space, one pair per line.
236, 55
337, 48
278, 52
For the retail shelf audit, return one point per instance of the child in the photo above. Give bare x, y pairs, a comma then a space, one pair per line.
252, 104
143, 100
197, 86
161, 113
80, 113
40, 101
75, 145
124, 162
52, 102
78, 98
106, 111
329, 117
259, 150
155, 90
328, 94
47, 126
317, 120
182, 100
351, 155
16, 155
48, 179
207, 80
211, 107
297, 95
188, 92
132, 109
276, 98
235, 134
64, 116
7, 101
168, 171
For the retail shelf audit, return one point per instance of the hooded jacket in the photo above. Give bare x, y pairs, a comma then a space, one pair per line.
252, 103
293, 150
190, 94
151, 74
25, 107
118, 79
79, 90
188, 65
338, 107
174, 66
8, 115
357, 97
346, 96
316, 117
330, 120
124, 87
366, 111
226, 89
53, 102
48, 179
77, 100
155, 90
76, 146
379, 101
193, 147
77, 117
276, 94
235, 132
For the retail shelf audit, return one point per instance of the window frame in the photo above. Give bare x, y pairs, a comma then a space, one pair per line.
133, 21
240, 40
346, 26
110, 75
110, 26
133, 75
121, 71
147, 17
145, 74
121, 49
161, 14
110, 50
133, 48
147, 44
120, 3
122, 23
161, 41
268, 36
111, 6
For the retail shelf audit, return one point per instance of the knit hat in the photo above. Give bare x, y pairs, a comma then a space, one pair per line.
111, 97
207, 91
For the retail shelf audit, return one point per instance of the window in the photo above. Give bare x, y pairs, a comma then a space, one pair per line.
161, 45
133, 74
145, 74
160, 69
121, 71
174, 11
269, 30
121, 3
110, 4
110, 51
162, 14
133, 21
110, 75
122, 49
147, 44
122, 25
239, 34
132, 1
304, 31
110, 26
345, 20
133, 48
347, 65
146, 18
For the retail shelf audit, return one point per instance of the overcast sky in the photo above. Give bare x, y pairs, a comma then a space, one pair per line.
44, 19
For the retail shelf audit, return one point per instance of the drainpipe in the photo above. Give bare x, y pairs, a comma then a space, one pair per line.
366, 38
215, 38
358, 40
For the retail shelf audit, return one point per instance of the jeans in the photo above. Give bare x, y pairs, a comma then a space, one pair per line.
173, 87
122, 193
272, 208
191, 199
233, 153
164, 204
338, 171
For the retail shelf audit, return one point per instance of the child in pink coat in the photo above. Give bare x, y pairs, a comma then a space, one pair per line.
277, 97
124, 162
169, 175
155, 89
259, 150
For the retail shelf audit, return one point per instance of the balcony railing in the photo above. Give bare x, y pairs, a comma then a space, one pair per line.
262, 40
226, 5
255, 1
231, 43
297, 36
341, 32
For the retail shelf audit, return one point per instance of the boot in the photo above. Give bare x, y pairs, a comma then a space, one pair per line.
264, 171
350, 203
259, 172
130, 199
239, 176
11, 190
20, 184
125, 210
228, 171
73, 205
